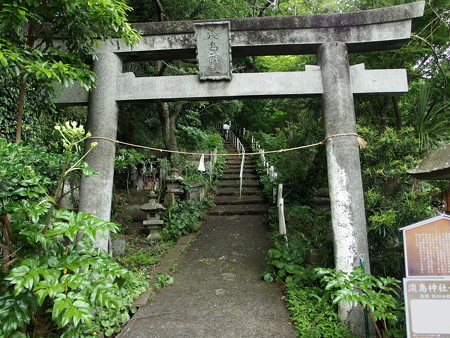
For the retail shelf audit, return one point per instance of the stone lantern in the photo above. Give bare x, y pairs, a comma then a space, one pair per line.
153, 221
174, 189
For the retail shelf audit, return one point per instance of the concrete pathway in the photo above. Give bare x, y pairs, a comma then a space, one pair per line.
218, 291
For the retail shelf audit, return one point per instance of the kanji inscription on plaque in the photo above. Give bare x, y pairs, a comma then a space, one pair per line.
213, 50
427, 247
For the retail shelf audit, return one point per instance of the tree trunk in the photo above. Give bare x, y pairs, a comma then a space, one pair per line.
164, 117
168, 119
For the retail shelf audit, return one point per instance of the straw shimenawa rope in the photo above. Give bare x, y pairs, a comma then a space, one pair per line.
361, 142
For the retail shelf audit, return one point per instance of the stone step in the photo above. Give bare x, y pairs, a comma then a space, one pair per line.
238, 170
247, 159
235, 176
234, 191
237, 164
246, 209
235, 184
239, 200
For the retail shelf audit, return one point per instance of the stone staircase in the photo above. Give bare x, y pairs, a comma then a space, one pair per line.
218, 290
228, 202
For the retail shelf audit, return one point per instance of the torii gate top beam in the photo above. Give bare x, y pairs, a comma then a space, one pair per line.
363, 31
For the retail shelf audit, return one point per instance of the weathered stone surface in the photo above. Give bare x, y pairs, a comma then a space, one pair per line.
373, 16
213, 50
218, 290
378, 29
246, 191
344, 171
280, 84
435, 166
96, 191
118, 246
383, 28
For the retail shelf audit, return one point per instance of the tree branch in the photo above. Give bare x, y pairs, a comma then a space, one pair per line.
161, 67
6, 247
12, 261
266, 5
7, 229
159, 10
436, 57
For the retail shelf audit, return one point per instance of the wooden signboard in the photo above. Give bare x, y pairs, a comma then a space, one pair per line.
427, 286
427, 247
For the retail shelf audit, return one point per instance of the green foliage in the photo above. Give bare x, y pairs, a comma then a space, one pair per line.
195, 138
138, 258
191, 134
379, 296
393, 198
311, 310
163, 280
428, 118
185, 220
127, 158
32, 62
190, 10
16, 311
78, 22
312, 314
40, 116
286, 261
293, 167
49, 266
283, 63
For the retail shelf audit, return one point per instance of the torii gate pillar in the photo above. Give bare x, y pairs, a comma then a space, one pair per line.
96, 191
344, 169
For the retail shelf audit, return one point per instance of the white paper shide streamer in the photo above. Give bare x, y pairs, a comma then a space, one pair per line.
201, 165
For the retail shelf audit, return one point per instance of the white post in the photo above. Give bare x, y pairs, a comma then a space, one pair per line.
275, 175
280, 193
241, 173
281, 219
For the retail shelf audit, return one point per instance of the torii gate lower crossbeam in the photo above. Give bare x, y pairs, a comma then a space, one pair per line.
330, 36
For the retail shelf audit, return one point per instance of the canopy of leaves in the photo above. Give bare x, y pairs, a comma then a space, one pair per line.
33, 58
29, 29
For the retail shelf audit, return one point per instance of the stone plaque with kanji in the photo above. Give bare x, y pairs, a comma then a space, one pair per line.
213, 50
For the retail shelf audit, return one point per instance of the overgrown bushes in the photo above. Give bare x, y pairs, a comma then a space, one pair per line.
312, 311
52, 278
185, 220
393, 199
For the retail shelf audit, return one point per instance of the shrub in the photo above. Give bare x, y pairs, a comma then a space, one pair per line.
51, 276
184, 220
312, 315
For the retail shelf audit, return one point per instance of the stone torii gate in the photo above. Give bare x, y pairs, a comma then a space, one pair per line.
331, 37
